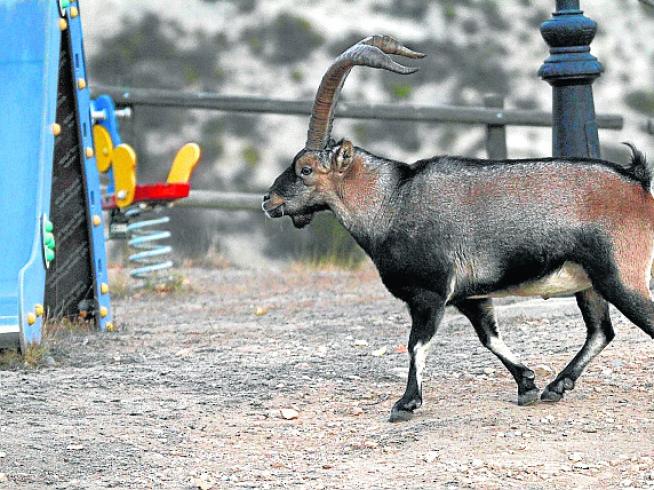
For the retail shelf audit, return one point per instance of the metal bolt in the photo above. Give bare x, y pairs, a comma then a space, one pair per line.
89, 152
97, 220
81, 83
56, 129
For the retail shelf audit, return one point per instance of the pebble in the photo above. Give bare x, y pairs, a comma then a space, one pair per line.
3, 478
357, 411
49, 361
289, 413
3, 454
431, 456
379, 352
360, 343
260, 311
575, 457
542, 370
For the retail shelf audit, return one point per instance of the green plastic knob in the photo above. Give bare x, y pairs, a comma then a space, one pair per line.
49, 240
49, 255
49, 227
65, 4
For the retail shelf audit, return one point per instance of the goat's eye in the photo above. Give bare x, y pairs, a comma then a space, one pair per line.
306, 170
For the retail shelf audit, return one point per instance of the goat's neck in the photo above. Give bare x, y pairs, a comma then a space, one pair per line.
364, 196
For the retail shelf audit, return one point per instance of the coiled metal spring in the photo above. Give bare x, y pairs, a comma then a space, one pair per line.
151, 258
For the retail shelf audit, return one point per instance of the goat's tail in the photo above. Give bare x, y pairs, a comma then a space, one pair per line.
639, 167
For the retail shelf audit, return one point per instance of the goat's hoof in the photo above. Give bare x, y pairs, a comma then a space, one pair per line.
554, 391
403, 410
551, 396
529, 397
399, 415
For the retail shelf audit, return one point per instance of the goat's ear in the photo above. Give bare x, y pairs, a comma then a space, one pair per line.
343, 156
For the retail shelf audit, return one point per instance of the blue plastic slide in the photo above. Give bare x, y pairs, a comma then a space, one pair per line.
29, 64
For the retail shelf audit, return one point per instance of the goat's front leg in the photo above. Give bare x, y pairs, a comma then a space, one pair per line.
426, 314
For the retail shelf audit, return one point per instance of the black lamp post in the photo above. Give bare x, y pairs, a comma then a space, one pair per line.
571, 70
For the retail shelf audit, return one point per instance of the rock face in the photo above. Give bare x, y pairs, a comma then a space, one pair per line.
280, 49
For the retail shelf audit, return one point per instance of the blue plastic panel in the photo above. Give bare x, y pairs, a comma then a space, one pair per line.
30, 35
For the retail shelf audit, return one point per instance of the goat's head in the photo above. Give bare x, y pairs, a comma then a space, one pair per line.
313, 180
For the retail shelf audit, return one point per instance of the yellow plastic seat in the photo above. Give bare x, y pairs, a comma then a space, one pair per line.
124, 164
104, 148
185, 162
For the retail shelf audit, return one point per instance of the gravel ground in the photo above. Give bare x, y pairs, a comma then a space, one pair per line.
192, 393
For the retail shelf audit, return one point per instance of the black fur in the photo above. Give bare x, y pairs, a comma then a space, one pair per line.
640, 168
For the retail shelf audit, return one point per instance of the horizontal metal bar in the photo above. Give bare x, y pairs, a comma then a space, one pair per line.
349, 110
232, 201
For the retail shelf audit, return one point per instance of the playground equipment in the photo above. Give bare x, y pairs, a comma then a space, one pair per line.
53, 256
137, 209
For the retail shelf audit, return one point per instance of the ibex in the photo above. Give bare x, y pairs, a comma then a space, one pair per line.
460, 231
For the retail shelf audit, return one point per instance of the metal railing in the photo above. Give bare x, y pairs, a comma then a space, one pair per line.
493, 116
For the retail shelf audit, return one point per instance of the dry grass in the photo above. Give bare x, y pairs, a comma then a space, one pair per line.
36, 354
212, 260
121, 284
329, 262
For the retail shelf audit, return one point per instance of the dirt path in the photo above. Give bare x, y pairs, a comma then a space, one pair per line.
189, 395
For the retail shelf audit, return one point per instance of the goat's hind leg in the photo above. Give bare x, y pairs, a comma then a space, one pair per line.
481, 315
595, 311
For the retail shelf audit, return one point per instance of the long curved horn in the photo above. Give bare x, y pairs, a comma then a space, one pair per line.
372, 51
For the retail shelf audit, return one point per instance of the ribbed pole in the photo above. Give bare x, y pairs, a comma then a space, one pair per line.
571, 70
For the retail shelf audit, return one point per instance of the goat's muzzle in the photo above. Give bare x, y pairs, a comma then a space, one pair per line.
273, 205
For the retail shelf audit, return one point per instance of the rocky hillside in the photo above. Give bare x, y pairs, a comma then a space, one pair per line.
281, 48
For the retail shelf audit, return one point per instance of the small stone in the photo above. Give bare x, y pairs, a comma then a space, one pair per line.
201, 483
75, 447
360, 343
357, 411
379, 352
431, 456
3, 454
184, 352
543, 370
289, 413
575, 457
3, 478
260, 311
49, 361
477, 463
488, 371
370, 444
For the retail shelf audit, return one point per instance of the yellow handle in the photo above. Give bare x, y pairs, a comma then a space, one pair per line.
103, 148
124, 162
185, 162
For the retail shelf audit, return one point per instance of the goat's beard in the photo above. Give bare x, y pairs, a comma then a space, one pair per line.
301, 220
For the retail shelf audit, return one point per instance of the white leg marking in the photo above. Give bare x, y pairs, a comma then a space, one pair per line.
497, 346
419, 357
